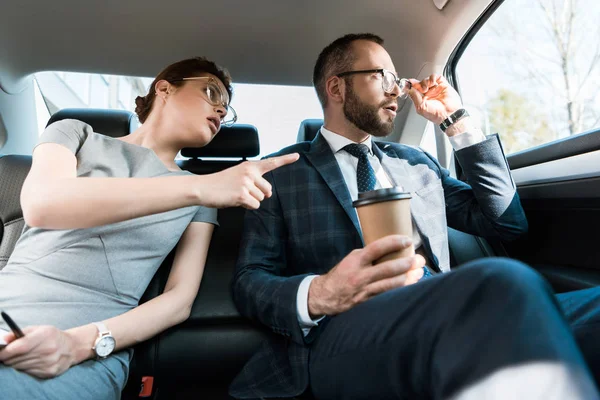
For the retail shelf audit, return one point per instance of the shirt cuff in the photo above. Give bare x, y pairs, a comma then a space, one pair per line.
304, 319
466, 139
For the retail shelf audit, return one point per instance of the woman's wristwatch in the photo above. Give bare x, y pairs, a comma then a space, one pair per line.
454, 117
105, 342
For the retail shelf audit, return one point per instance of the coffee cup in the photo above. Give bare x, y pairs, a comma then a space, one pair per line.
385, 212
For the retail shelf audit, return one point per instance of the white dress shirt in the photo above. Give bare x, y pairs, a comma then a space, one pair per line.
348, 165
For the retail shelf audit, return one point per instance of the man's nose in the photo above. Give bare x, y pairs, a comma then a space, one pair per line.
396, 90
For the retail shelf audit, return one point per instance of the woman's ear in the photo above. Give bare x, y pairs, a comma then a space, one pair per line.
335, 89
162, 89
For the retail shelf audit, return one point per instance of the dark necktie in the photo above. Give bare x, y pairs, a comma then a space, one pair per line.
365, 176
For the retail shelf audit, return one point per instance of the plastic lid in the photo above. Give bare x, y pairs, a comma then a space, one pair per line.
380, 195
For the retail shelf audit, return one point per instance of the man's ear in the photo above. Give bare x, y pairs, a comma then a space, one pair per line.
335, 88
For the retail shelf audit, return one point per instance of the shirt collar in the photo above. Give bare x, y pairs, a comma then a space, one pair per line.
337, 141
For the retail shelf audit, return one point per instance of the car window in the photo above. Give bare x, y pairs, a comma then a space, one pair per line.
532, 72
428, 140
276, 111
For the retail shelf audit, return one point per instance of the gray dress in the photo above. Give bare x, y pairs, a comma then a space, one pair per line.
73, 277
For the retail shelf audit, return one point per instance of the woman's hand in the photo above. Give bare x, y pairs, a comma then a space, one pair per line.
44, 351
242, 185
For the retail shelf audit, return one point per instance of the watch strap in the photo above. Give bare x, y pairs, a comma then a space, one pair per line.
453, 118
102, 330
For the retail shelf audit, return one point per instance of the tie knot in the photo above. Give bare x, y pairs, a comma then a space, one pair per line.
357, 150
365, 176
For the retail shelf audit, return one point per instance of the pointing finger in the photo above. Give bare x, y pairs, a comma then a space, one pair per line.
270, 164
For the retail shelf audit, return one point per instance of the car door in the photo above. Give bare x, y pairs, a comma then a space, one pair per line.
530, 70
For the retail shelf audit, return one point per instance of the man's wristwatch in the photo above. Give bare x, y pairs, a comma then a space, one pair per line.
105, 342
454, 117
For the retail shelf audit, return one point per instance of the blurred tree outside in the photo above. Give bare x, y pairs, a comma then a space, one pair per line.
553, 49
519, 123
533, 71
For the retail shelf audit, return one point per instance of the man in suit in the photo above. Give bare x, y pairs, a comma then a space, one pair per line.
351, 329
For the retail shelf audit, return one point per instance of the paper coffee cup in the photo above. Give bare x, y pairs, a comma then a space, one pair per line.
385, 212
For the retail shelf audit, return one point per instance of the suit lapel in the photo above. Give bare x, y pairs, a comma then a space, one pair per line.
322, 158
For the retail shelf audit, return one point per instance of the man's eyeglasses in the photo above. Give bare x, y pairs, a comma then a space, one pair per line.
216, 97
388, 80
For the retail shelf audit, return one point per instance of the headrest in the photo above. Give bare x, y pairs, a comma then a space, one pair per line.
114, 123
239, 141
308, 130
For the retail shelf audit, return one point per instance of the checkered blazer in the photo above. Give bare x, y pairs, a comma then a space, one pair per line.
309, 225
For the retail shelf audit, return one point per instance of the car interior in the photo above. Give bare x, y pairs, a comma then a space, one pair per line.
269, 42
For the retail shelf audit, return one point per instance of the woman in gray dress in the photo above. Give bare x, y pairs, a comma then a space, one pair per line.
101, 215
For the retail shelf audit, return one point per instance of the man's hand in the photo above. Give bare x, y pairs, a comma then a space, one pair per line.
44, 351
355, 279
434, 98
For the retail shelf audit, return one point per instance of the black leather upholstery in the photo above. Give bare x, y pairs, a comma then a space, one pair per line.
465, 247
308, 130
237, 141
13, 171
114, 123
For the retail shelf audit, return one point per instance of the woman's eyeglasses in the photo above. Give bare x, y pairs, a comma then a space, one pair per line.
215, 96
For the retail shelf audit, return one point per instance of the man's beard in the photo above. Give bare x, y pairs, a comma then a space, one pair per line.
364, 116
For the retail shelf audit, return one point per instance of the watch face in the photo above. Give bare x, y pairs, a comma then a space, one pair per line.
105, 346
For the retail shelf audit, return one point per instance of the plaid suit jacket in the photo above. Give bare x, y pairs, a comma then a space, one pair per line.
309, 225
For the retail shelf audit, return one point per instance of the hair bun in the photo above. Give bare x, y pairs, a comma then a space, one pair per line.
141, 106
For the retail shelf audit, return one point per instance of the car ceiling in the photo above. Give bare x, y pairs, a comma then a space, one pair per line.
260, 41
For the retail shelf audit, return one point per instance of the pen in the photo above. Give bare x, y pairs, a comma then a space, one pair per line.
13, 327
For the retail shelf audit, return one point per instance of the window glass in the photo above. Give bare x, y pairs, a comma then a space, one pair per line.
124, 92
80, 85
99, 90
532, 72
276, 111
428, 140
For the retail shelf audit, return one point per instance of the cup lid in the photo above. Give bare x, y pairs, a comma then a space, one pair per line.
380, 195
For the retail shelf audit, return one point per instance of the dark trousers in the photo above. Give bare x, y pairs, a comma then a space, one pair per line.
582, 310
429, 340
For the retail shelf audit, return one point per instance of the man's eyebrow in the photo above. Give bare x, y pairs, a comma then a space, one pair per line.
385, 69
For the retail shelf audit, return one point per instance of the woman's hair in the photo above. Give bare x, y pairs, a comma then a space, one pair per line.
174, 73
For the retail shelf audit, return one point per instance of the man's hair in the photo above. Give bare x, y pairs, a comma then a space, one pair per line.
337, 57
